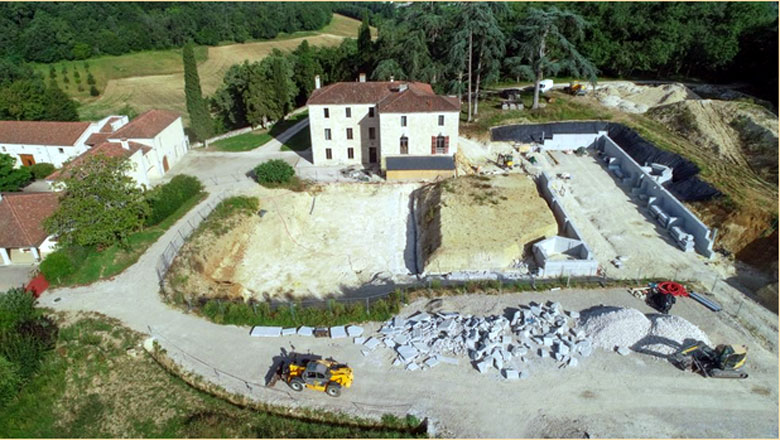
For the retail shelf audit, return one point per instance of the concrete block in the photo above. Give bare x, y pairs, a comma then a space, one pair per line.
520, 351
265, 332
573, 314
411, 366
523, 375
289, 331
371, 343
448, 360
364, 352
432, 361
338, 332
543, 353
505, 340
359, 340
561, 348
407, 352
305, 331
623, 351
483, 366
420, 317
398, 322
354, 330
547, 341
573, 362
389, 343
401, 339
397, 362
558, 356
498, 362
510, 374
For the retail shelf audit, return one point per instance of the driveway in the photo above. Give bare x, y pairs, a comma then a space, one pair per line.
15, 275
606, 396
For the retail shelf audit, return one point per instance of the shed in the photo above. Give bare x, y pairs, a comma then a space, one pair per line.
419, 167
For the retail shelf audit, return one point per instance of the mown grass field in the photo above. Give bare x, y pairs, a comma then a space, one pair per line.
94, 265
155, 79
98, 382
257, 138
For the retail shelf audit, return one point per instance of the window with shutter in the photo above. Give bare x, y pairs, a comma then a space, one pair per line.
446, 145
440, 145
433, 144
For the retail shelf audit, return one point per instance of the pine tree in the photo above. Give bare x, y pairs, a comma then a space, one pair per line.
200, 120
365, 46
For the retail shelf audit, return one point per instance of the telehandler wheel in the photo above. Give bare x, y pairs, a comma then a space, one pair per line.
333, 389
296, 384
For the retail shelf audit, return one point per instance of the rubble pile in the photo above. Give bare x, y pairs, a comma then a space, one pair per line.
620, 329
508, 345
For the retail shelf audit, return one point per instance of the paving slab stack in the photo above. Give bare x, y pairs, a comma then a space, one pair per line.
492, 343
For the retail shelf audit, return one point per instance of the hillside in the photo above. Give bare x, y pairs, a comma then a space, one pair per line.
155, 79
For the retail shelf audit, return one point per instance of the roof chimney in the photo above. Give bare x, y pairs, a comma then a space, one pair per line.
317, 83
392, 78
362, 77
124, 143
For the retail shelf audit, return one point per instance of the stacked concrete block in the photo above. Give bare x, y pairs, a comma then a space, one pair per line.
289, 331
305, 331
490, 342
338, 332
265, 331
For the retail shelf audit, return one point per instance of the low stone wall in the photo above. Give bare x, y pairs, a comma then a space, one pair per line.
684, 227
584, 264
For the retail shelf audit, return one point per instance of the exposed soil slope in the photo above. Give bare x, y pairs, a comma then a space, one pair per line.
480, 223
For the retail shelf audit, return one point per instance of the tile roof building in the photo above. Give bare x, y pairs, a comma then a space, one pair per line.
364, 123
22, 235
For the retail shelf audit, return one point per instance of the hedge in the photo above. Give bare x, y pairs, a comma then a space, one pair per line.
166, 199
57, 265
41, 170
275, 171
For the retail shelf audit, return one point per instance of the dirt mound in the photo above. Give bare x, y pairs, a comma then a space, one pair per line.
634, 98
480, 223
742, 133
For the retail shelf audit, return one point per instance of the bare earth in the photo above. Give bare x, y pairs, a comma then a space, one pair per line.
481, 223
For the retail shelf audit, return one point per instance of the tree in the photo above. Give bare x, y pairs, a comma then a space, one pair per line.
305, 67
58, 105
101, 204
545, 45
365, 46
200, 119
12, 179
270, 89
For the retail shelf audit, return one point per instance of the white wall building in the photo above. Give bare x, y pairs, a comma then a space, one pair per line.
153, 143
364, 123
23, 239
31, 142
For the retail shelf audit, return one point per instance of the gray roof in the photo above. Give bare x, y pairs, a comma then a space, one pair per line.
420, 163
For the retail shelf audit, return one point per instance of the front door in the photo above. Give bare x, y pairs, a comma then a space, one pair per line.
165, 164
27, 159
372, 155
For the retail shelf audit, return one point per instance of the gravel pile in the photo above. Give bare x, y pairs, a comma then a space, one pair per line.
668, 332
508, 345
611, 327
614, 328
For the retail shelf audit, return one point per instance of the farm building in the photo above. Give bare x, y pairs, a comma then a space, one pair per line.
22, 236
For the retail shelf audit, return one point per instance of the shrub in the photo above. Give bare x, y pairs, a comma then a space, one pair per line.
93, 91
275, 171
166, 199
9, 380
57, 265
16, 306
41, 170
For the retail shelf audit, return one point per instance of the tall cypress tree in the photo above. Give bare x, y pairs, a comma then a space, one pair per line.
365, 46
200, 120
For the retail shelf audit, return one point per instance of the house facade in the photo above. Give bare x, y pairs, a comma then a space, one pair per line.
23, 239
365, 123
153, 142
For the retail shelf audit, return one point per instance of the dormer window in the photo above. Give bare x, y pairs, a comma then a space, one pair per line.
327, 112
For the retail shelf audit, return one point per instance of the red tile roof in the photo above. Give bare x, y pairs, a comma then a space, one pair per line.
147, 125
97, 139
22, 216
110, 149
41, 132
389, 96
106, 128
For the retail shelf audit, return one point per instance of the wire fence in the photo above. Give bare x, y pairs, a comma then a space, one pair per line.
257, 390
184, 231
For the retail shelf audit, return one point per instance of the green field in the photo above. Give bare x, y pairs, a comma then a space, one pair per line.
98, 382
257, 138
300, 142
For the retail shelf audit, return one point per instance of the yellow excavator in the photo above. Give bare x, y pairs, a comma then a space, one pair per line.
724, 361
317, 374
575, 88
506, 161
